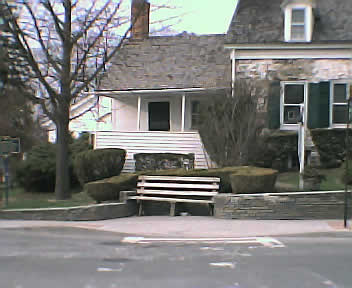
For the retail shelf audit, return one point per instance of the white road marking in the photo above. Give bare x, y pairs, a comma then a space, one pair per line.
231, 265
265, 241
105, 269
212, 248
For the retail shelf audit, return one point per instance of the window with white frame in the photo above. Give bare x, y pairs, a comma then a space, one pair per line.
298, 24
293, 95
339, 102
299, 21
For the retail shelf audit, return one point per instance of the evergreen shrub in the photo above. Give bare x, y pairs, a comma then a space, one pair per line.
93, 165
37, 173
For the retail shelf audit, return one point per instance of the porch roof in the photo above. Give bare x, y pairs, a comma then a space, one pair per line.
162, 92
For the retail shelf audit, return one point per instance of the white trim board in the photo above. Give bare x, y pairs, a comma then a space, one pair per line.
289, 46
293, 54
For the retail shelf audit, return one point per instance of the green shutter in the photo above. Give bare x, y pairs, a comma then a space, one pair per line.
319, 105
274, 105
313, 105
324, 108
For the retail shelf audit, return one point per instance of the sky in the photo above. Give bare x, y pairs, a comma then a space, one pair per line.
202, 16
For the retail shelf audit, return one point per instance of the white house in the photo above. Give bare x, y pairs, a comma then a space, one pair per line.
155, 84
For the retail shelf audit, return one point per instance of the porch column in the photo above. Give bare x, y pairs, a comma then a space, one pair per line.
233, 64
138, 113
183, 112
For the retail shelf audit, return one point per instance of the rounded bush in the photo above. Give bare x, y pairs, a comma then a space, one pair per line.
98, 164
253, 180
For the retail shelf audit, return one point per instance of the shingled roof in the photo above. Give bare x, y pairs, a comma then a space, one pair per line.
182, 61
258, 21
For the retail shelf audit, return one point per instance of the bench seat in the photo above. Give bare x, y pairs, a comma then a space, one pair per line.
175, 189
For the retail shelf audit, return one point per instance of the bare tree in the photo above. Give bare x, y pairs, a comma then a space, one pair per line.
65, 45
228, 126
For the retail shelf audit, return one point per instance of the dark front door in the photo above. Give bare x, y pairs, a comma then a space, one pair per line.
159, 116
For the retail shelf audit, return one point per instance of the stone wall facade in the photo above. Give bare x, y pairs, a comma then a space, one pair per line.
275, 206
264, 71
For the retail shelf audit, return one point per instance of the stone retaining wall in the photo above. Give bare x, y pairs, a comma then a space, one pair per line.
81, 213
298, 205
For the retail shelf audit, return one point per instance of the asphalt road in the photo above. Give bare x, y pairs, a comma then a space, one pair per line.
70, 257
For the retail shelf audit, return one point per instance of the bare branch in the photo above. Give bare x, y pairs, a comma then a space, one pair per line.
57, 22
91, 22
40, 39
24, 47
87, 51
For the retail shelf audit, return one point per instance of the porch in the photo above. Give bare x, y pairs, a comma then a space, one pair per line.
153, 142
156, 121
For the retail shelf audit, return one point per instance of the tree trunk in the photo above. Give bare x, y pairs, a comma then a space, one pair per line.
62, 184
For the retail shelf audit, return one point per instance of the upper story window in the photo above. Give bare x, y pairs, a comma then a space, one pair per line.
298, 24
299, 20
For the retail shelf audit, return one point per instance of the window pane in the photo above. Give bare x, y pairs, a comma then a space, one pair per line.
294, 94
339, 114
298, 32
291, 114
340, 93
298, 15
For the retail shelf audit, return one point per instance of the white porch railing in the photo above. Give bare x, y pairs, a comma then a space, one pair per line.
153, 142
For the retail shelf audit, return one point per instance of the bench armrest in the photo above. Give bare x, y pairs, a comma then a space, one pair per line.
125, 194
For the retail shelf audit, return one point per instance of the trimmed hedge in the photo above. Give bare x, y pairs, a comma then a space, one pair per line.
275, 150
331, 146
253, 180
98, 164
346, 177
108, 189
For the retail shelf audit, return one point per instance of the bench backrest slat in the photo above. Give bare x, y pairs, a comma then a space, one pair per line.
179, 179
205, 186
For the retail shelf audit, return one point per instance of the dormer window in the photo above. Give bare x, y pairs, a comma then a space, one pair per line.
299, 20
298, 24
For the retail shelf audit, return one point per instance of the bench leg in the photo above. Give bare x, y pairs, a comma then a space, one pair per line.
140, 212
172, 208
211, 209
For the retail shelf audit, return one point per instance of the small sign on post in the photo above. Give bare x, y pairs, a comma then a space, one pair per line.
8, 145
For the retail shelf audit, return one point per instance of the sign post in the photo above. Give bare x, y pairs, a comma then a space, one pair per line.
347, 144
8, 145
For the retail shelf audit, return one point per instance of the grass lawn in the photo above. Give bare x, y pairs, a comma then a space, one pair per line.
289, 181
19, 199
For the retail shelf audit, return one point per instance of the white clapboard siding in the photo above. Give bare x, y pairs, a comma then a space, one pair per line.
153, 142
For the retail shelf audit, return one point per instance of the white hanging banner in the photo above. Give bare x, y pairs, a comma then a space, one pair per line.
301, 139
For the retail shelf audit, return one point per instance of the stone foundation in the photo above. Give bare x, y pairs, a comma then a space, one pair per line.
275, 206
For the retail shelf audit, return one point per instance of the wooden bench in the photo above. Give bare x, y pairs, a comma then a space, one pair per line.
176, 189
